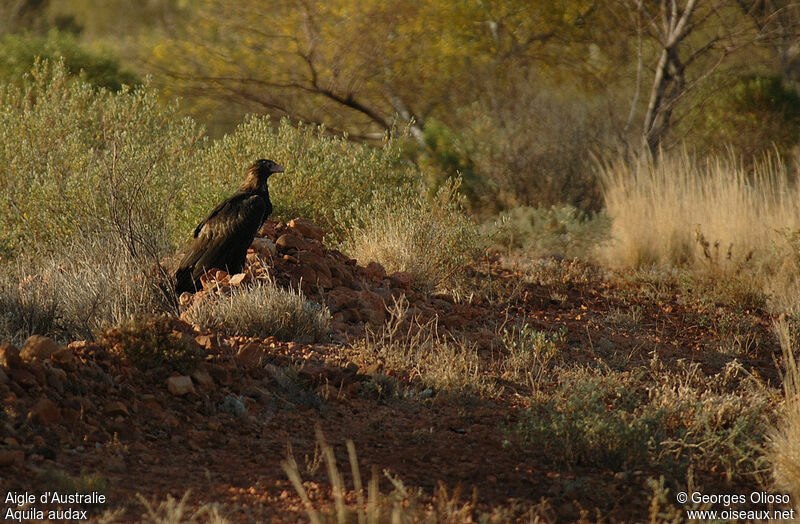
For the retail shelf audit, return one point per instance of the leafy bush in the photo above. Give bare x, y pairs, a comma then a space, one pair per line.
530, 142
78, 163
324, 175
564, 230
404, 231
264, 310
19, 53
678, 420
750, 115
591, 420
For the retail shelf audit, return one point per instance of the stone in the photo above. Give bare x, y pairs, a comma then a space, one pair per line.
37, 347
116, 408
56, 378
203, 379
307, 228
64, 358
401, 279
23, 377
180, 385
206, 342
45, 412
9, 356
250, 355
340, 298
264, 247
372, 306
238, 279
11, 457
3, 377
287, 241
375, 271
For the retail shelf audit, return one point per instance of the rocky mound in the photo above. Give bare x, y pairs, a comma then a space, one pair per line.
294, 256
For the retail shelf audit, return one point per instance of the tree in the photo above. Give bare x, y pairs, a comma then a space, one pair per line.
357, 66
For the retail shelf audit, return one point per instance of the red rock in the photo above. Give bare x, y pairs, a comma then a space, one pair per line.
307, 228
45, 412
11, 457
371, 301
23, 377
206, 342
340, 298
180, 385
116, 409
203, 379
401, 279
222, 277
250, 356
286, 242
37, 347
64, 358
9, 356
239, 279
343, 273
264, 247
375, 271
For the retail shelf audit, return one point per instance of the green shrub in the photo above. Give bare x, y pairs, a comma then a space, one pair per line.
564, 230
592, 420
78, 163
405, 231
324, 175
264, 310
19, 53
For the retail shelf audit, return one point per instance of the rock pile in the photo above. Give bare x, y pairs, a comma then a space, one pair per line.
294, 256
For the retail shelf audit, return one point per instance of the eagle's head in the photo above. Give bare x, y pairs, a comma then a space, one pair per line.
258, 173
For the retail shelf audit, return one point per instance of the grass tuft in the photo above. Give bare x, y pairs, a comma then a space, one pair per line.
263, 310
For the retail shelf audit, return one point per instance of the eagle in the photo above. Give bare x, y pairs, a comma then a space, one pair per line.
222, 238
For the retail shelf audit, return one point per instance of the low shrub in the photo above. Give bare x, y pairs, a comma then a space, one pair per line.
263, 310
151, 342
404, 231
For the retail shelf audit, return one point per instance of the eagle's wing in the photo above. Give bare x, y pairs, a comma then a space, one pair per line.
224, 235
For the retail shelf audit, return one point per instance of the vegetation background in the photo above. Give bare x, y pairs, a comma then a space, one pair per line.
651, 137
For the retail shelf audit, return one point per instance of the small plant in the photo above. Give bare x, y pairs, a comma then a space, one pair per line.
530, 351
173, 510
371, 506
430, 358
263, 310
150, 342
404, 231
591, 420
63, 482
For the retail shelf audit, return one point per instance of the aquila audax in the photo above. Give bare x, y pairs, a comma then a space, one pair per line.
222, 238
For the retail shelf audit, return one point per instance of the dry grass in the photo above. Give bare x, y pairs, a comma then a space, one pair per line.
431, 359
401, 505
77, 294
171, 511
715, 217
432, 240
784, 451
263, 310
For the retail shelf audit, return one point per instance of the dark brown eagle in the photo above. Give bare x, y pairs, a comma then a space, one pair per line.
222, 238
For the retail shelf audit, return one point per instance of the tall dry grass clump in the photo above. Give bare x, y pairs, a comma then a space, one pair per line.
784, 450
713, 216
